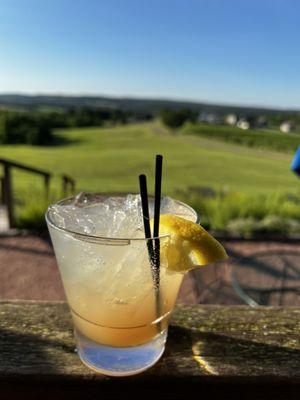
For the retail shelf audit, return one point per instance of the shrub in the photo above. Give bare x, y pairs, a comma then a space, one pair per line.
176, 118
246, 215
22, 128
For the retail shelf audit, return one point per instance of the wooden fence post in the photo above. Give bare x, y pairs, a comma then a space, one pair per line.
64, 186
47, 185
8, 194
2, 200
73, 186
68, 184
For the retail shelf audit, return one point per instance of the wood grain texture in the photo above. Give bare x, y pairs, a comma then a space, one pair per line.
211, 348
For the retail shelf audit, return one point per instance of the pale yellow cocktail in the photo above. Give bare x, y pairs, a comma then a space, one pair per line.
105, 269
120, 300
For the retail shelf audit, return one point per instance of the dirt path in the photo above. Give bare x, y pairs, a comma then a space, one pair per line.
28, 270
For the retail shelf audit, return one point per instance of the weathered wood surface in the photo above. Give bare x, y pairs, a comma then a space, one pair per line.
210, 348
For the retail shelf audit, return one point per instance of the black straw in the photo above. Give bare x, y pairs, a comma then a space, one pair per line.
145, 206
154, 255
158, 174
158, 177
146, 217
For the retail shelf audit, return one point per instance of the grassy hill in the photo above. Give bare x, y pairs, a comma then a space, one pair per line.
110, 160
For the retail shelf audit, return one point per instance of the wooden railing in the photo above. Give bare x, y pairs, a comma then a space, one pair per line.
68, 183
6, 186
212, 352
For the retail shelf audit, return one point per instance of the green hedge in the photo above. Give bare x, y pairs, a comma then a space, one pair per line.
263, 139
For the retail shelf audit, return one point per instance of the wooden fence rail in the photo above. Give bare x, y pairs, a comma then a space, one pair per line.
6, 186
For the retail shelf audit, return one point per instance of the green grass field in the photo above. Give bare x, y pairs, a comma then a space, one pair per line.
265, 139
110, 159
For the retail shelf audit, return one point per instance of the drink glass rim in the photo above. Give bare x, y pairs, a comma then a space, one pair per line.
104, 239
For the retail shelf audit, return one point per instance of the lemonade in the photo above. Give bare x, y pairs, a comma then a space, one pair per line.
120, 316
105, 269
110, 290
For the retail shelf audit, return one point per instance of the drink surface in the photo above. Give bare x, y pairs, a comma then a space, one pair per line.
109, 284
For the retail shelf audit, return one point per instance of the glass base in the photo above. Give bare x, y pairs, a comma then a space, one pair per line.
120, 361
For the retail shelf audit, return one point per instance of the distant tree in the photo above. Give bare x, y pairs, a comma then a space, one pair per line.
35, 128
174, 119
3, 127
41, 134
190, 115
251, 120
27, 128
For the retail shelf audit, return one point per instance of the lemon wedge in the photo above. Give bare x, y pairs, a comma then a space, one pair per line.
188, 245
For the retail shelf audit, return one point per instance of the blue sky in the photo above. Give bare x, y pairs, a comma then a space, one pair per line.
225, 51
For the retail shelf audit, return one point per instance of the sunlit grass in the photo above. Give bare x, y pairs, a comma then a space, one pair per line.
266, 139
110, 160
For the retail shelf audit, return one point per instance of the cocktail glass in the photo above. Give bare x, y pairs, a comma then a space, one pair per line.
120, 317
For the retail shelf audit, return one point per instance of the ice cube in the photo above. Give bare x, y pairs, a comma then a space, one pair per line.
117, 224
133, 210
82, 199
170, 206
131, 275
114, 217
72, 218
126, 216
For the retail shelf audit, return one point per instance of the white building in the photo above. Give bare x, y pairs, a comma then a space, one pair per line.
243, 124
287, 127
231, 119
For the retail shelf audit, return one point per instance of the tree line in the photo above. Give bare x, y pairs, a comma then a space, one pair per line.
36, 128
174, 119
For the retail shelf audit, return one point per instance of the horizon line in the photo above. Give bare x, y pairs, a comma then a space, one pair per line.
150, 98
